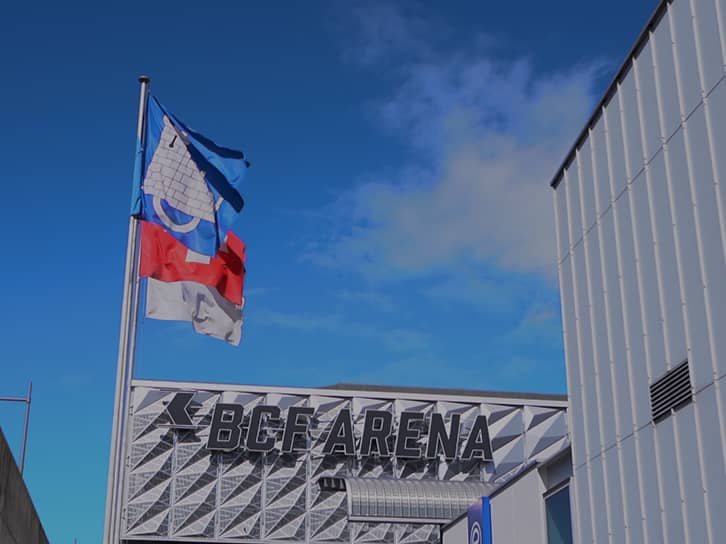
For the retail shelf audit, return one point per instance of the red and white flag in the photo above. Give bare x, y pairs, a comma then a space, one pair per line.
187, 286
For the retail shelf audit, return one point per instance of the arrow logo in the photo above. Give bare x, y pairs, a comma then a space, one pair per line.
177, 410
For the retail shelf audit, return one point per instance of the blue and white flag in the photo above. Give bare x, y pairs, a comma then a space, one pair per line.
187, 183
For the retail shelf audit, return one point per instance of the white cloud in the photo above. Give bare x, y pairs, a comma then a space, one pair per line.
376, 300
398, 339
487, 136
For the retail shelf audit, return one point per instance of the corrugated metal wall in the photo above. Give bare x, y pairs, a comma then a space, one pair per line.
641, 218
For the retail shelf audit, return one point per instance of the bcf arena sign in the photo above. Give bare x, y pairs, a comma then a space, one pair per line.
229, 430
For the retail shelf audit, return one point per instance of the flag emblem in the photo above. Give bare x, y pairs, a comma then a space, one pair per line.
189, 184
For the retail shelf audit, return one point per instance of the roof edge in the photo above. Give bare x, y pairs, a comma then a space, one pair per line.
610, 91
445, 391
377, 391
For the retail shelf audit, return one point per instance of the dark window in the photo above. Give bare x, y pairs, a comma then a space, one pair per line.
559, 521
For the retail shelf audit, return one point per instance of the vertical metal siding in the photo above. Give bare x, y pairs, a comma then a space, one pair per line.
572, 186
689, 263
702, 181
615, 152
581, 485
634, 156
600, 167
672, 493
563, 237
587, 369
587, 186
600, 505
708, 44
650, 301
651, 485
641, 214
684, 54
688, 451
615, 497
647, 106
634, 502
665, 79
666, 264
616, 328
577, 428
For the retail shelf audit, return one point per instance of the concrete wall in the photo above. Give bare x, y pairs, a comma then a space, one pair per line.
19, 523
641, 229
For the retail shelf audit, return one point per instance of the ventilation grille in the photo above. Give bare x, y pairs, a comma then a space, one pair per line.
671, 392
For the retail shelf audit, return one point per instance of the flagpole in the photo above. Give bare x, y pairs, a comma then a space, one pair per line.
126, 347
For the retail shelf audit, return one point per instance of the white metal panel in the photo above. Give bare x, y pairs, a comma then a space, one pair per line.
650, 485
634, 155
577, 431
616, 327
648, 105
602, 508
504, 517
689, 261
615, 151
637, 370
584, 343
721, 17
601, 357
578, 505
708, 43
581, 484
587, 186
563, 237
715, 114
669, 480
518, 512
458, 533
598, 147
684, 47
574, 214
670, 291
650, 299
630, 479
714, 468
615, 496
689, 469
711, 243
666, 78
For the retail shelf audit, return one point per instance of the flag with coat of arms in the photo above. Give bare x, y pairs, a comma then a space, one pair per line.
187, 195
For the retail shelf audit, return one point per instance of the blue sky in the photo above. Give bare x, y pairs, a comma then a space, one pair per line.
398, 216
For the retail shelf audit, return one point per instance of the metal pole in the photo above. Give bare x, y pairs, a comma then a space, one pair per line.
125, 355
25, 427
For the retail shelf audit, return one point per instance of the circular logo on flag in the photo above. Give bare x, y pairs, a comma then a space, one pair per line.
168, 222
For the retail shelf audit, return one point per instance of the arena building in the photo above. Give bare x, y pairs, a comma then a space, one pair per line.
346, 463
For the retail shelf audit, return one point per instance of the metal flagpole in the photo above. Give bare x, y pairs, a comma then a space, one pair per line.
129, 308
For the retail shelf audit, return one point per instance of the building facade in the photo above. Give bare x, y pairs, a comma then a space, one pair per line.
213, 463
640, 207
531, 508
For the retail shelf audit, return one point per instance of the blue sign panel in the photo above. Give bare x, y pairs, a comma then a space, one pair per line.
480, 522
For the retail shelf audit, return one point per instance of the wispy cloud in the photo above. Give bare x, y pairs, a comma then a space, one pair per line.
486, 134
399, 339
376, 300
